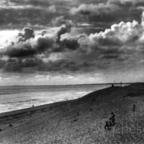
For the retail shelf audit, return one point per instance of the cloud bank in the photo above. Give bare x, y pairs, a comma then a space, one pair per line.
109, 11
92, 9
119, 47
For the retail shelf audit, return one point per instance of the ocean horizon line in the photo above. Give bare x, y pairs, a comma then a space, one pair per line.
115, 83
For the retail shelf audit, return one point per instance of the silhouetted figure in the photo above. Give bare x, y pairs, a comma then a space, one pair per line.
112, 85
121, 84
112, 119
134, 108
111, 122
108, 125
91, 109
75, 120
10, 125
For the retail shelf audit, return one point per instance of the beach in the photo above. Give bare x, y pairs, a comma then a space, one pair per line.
20, 97
79, 121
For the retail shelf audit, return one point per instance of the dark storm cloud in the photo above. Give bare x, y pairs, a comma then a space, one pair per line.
27, 44
66, 66
70, 42
113, 53
20, 51
12, 67
29, 47
18, 65
35, 64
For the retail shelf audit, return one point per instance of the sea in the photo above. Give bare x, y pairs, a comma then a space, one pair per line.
20, 97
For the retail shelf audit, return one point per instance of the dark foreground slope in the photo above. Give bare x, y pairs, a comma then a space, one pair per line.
79, 121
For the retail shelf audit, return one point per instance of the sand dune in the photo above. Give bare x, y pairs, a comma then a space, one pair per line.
79, 121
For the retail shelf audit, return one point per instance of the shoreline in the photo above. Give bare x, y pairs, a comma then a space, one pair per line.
116, 83
33, 107
77, 121
30, 109
45, 106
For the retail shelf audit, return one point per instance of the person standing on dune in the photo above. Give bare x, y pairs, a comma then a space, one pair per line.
112, 119
110, 122
134, 108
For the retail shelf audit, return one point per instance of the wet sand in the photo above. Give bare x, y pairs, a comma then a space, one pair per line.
79, 121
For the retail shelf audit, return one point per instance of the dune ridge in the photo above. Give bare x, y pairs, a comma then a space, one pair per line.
79, 121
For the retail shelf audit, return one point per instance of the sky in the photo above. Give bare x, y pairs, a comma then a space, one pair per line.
48, 42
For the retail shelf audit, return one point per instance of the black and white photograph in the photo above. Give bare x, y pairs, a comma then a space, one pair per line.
71, 71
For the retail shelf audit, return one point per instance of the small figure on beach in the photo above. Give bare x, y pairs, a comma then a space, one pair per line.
108, 125
121, 84
10, 125
112, 85
111, 122
112, 119
134, 107
91, 109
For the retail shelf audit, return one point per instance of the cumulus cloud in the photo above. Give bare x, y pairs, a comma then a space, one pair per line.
52, 9
27, 44
30, 47
117, 43
26, 34
121, 44
72, 42
69, 42
62, 30
122, 33
58, 21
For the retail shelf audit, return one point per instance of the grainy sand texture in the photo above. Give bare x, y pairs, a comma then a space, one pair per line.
80, 121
